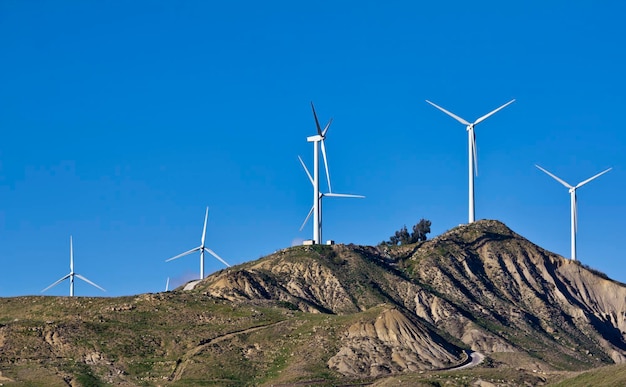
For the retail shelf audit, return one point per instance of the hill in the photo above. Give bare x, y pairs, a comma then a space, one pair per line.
341, 314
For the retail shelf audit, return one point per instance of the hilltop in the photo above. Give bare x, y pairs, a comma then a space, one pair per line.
342, 314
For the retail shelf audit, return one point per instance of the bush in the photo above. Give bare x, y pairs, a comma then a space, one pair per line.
403, 237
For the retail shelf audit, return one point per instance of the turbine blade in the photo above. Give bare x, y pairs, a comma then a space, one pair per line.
57, 282
183, 254
307, 218
337, 195
450, 114
481, 119
216, 256
167, 285
89, 282
593, 177
317, 123
306, 170
554, 177
326, 165
326, 127
206, 217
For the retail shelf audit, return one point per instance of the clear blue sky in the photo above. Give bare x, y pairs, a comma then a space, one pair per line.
121, 121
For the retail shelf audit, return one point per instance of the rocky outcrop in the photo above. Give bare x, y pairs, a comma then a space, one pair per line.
520, 291
390, 344
310, 285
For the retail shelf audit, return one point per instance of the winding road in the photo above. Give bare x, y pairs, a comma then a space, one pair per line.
474, 359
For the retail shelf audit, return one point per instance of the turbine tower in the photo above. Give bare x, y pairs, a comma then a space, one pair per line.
202, 248
72, 274
574, 210
471, 140
320, 196
318, 140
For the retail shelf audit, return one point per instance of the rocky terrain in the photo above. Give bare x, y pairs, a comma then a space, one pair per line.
343, 314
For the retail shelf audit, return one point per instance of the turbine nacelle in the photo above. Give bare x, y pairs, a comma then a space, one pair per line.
315, 138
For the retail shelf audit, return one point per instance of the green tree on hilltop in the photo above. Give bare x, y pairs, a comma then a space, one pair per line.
403, 237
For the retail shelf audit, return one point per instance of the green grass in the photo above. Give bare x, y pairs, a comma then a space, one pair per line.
605, 376
83, 374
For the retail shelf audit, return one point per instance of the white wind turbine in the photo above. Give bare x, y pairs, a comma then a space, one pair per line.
574, 210
72, 274
202, 248
316, 140
320, 196
471, 139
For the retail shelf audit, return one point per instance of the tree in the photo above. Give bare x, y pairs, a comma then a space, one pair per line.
420, 230
402, 236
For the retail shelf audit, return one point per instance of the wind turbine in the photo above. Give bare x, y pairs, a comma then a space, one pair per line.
72, 274
316, 140
471, 140
202, 248
574, 210
320, 196
167, 285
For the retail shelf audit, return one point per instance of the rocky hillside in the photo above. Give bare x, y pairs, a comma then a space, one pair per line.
480, 284
335, 314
